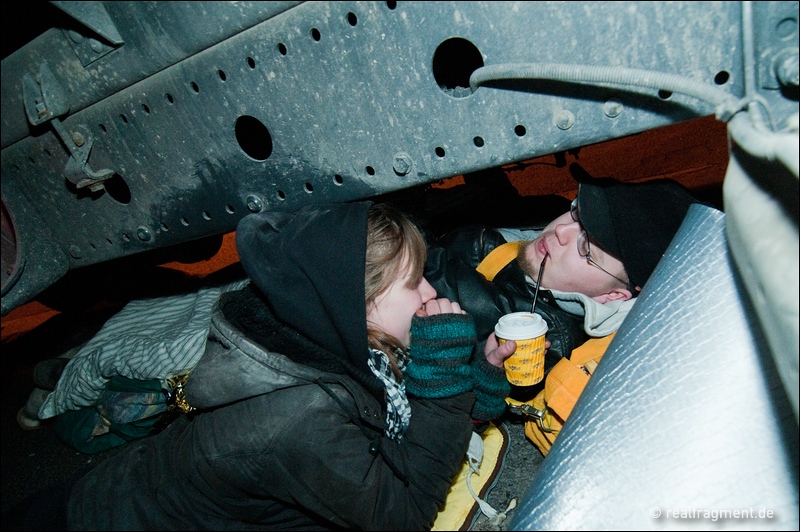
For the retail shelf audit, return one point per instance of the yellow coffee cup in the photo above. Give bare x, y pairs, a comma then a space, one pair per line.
526, 366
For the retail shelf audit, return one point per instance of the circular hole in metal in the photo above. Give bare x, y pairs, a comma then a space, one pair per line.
722, 77
281, 195
453, 63
169, 98
439, 151
282, 48
206, 215
118, 189
315, 34
184, 221
352, 19
370, 170
222, 75
195, 87
251, 62
478, 141
664, 94
337, 180
308, 187
229, 209
520, 130
253, 137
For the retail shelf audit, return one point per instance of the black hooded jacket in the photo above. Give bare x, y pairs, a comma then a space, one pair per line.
289, 429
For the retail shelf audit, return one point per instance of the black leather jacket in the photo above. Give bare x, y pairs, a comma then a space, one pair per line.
450, 268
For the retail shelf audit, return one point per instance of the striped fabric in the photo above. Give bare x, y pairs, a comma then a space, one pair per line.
148, 339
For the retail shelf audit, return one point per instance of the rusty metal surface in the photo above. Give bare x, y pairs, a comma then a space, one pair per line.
191, 115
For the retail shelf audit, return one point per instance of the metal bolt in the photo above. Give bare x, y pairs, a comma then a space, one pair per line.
402, 163
75, 251
254, 203
143, 233
96, 45
788, 71
612, 108
78, 139
565, 119
76, 37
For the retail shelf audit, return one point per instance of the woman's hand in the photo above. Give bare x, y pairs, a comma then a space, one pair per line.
440, 306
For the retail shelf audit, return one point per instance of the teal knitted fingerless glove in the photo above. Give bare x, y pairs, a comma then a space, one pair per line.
441, 346
491, 389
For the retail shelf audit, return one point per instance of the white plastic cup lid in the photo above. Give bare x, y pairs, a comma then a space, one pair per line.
520, 326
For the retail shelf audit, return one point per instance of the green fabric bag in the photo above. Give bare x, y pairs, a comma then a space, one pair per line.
127, 410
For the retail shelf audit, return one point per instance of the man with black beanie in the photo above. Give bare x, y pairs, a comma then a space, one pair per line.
595, 259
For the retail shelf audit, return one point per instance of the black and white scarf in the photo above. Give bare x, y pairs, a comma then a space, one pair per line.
398, 410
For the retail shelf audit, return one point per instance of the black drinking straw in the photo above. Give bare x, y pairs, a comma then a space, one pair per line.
538, 283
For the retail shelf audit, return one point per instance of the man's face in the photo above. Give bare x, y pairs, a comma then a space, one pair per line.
565, 269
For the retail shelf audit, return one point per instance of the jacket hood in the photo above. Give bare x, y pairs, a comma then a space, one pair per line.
309, 267
599, 319
253, 354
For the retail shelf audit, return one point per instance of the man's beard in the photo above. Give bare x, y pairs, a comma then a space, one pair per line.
528, 268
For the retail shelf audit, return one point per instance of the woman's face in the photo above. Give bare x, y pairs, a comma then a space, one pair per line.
393, 309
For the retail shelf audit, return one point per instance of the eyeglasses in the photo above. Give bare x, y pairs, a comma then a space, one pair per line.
584, 249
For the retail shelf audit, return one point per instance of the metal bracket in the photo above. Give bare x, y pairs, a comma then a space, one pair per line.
525, 409
45, 101
102, 36
94, 16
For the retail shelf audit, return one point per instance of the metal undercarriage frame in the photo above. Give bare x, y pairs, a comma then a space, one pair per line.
134, 126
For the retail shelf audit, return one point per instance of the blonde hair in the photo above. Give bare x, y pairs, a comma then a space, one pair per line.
394, 245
